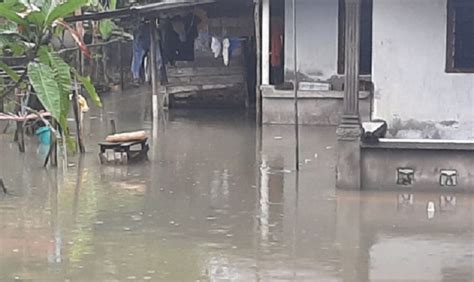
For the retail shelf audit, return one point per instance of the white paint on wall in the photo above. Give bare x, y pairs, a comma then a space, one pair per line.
266, 42
409, 59
317, 38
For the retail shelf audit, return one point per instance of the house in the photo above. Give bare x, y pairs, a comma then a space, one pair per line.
403, 60
409, 63
201, 53
349, 62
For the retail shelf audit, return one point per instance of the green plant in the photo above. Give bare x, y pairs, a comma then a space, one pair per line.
27, 28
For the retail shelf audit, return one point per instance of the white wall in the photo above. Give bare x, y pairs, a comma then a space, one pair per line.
409, 58
317, 38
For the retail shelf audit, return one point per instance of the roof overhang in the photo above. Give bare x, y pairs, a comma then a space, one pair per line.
140, 10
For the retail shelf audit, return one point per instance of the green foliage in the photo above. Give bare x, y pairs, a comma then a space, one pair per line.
11, 73
86, 81
28, 30
62, 75
64, 9
106, 27
37, 18
47, 89
93, 3
112, 4
11, 15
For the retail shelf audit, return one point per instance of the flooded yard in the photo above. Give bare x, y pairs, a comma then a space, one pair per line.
219, 200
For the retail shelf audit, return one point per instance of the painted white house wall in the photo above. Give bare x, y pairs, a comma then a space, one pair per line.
412, 88
317, 39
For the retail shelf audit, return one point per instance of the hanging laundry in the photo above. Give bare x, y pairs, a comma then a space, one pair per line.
179, 28
235, 45
216, 47
276, 43
186, 48
276, 60
170, 42
141, 46
226, 51
203, 42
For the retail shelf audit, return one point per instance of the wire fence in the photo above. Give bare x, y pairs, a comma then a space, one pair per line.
108, 67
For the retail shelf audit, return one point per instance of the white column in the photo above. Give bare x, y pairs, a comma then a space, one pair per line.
350, 129
265, 42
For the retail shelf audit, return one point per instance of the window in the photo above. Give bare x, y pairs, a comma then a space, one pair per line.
460, 37
365, 37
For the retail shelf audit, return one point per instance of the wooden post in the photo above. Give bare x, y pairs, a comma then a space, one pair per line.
258, 79
103, 50
354, 240
54, 146
350, 130
78, 120
163, 70
295, 90
156, 99
121, 65
75, 105
266, 42
20, 133
2, 186
163, 76
52, 156
113, 127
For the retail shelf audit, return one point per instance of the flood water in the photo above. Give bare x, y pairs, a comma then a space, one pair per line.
218, 201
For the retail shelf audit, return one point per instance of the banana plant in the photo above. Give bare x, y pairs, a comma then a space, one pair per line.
26, 28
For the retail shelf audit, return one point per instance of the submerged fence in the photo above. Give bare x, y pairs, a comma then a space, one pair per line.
109, 67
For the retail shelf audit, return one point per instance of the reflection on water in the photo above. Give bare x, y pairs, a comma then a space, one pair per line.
207, 207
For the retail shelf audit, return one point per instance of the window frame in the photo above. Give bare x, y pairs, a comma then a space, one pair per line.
451, 37
341, 46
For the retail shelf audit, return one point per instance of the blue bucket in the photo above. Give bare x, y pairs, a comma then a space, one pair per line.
44, 135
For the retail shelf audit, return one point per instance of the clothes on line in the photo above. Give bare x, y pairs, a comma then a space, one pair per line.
141, 47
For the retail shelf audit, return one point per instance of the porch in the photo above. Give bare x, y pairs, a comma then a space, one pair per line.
434, 160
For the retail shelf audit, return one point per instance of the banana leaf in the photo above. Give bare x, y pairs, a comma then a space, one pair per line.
42, 79
86, 81
64, 9
11, 73
106, 27
9, 14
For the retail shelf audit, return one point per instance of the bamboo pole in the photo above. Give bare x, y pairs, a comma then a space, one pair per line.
52, 156
156, 100
258, 78
295, 89
121, 65
265, 23
163, 72
78, 120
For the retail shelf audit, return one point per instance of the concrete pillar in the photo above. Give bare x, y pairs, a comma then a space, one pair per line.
349, 132
258, 47
354, 246
156, 102
265, 42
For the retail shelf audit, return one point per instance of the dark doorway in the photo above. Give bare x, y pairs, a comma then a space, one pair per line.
460, 54
365, 37
277, 32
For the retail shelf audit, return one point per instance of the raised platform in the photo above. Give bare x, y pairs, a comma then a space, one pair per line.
404, 164
315, 107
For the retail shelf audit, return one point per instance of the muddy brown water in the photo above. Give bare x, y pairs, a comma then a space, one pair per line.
218, 201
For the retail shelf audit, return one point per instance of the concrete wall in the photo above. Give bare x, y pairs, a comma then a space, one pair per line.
315, 108
412, 90
317, 39
380, 168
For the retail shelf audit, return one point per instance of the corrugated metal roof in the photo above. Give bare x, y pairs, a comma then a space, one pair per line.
139, 10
